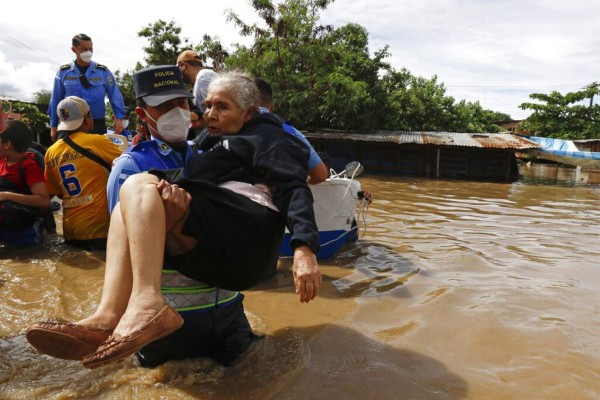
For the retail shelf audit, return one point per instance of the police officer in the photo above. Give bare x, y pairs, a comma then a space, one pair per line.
215, 324
89, 80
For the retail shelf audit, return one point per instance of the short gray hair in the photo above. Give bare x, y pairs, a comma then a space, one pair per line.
239, 85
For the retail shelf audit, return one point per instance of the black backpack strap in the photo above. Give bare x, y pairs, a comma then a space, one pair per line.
23, 178
87, 153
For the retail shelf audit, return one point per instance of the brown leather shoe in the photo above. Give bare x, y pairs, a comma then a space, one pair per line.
65, 340
165, 322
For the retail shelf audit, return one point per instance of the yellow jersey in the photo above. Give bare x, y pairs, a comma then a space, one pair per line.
81, 183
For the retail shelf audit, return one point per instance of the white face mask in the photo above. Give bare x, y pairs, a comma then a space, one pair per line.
172, 126
86, 56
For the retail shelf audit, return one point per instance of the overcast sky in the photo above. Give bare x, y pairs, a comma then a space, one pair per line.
496, 52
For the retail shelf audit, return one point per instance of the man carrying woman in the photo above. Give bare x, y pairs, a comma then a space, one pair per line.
220, 221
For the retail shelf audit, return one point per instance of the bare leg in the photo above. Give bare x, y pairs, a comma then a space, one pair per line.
143, 215
117, 277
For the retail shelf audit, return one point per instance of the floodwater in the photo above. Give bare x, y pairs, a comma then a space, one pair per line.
456, 290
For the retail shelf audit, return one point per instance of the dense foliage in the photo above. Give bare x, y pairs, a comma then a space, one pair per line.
32, 116
326, 77
570, 116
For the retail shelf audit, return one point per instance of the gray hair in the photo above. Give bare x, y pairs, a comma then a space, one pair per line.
239, 85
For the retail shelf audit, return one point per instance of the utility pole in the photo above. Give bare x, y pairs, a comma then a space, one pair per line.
593, 85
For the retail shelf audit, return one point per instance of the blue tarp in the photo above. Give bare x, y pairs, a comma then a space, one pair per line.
564, 151
554, 144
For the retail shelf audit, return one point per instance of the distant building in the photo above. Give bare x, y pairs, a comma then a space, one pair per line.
588, 145
471, 156
509, 125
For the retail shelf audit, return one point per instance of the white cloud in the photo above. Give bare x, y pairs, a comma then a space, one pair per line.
493, 51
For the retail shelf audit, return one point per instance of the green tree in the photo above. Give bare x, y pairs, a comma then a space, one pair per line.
288, 51
353, 91
164, 45
322, 77
42, 97
564, 116
327, 78
32, 116
212, 52
418, 104
164, 42
471, 117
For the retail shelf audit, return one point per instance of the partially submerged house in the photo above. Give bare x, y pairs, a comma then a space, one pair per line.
592, 145
471, 156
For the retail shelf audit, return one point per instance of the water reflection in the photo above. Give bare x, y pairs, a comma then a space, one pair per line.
551, 174
456, 290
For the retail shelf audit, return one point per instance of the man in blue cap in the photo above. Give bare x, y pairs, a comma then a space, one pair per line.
90, 81
215, 323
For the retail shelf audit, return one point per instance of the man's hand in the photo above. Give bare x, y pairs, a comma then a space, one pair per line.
176, 202
307, 274
118, 126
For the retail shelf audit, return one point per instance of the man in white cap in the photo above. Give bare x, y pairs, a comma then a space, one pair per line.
77, 168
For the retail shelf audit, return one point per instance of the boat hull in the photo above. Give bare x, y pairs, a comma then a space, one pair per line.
564, 152
334, 206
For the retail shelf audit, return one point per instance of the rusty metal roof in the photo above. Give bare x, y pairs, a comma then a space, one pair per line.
486, 140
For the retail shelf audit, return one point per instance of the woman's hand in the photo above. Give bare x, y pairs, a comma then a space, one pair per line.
176, 201
307, 274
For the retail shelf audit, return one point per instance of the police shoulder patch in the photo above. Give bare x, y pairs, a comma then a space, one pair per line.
164, 147
100, 66
66, 66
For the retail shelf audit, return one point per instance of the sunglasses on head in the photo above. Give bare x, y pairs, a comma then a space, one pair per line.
84, 81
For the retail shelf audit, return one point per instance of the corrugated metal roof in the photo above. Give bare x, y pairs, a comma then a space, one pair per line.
586, 140
487, 140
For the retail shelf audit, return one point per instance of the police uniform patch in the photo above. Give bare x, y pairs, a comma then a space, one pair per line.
164, 147
110, 81
100, 66
66, 66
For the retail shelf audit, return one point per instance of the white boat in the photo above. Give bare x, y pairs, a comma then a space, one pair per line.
564, 152
336, 214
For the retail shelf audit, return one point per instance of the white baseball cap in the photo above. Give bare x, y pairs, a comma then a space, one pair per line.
71, 112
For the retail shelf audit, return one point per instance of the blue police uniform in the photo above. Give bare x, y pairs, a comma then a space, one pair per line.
314, 158
215, 324
101, 81
140, 158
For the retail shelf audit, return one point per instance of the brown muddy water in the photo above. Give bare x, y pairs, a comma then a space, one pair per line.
457, 290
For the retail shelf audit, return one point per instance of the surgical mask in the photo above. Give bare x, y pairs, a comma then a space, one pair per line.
86, 56
173, 126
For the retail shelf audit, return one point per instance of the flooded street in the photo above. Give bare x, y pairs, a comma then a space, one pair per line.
456, 290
